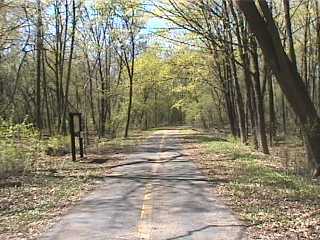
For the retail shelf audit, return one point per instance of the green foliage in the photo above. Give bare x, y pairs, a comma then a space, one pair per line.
289, 185
260, 189
231, 148
57, 145
172, 84
19, 144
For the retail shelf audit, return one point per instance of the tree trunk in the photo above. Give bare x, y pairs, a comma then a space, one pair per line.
225, 82
262, 135
38, 115
242, 38
272, 114
263, 26
286, 5
65, 104
318, 51
45, 93
230, 57
130, 68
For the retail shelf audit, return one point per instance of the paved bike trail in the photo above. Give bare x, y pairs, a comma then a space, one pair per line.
156, 194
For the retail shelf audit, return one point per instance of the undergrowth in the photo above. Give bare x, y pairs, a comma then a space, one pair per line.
21, 145
47, 185
278, 203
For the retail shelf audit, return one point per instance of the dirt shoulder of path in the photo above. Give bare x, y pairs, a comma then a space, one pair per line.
31, 202
275, 202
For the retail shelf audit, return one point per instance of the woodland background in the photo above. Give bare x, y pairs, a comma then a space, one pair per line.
198, 64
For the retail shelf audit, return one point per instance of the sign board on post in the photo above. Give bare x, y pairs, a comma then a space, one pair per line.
75, 131
76, 124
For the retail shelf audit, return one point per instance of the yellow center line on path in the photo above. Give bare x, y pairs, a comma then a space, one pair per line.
145, 224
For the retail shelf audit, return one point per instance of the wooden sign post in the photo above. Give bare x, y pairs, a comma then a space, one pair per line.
76, 131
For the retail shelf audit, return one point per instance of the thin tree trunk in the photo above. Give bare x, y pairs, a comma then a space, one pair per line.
57, 61
318, 50
305, 49
38, 114
130, 69
242, 38
68, 79
272, 115
263, 26
286, 4
234, 73
45, 94
262, 135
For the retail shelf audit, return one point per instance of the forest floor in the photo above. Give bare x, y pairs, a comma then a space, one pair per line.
31, 201
269, 193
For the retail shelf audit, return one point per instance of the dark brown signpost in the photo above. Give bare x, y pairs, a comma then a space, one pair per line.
75, 131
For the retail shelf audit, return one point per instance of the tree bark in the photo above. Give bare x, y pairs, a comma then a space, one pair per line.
272, 114
65, 104
242, 38
130, 69
264, 28
39, 47
286, 5
261, 126
234, 73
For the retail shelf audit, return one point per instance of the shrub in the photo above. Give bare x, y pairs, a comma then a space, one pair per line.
19, 146
57, 145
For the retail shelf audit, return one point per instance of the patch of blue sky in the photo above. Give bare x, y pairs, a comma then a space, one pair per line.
155, 24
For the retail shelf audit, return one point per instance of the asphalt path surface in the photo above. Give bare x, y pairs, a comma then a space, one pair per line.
157, 194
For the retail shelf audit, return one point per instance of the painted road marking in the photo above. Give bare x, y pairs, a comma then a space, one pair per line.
145, 225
